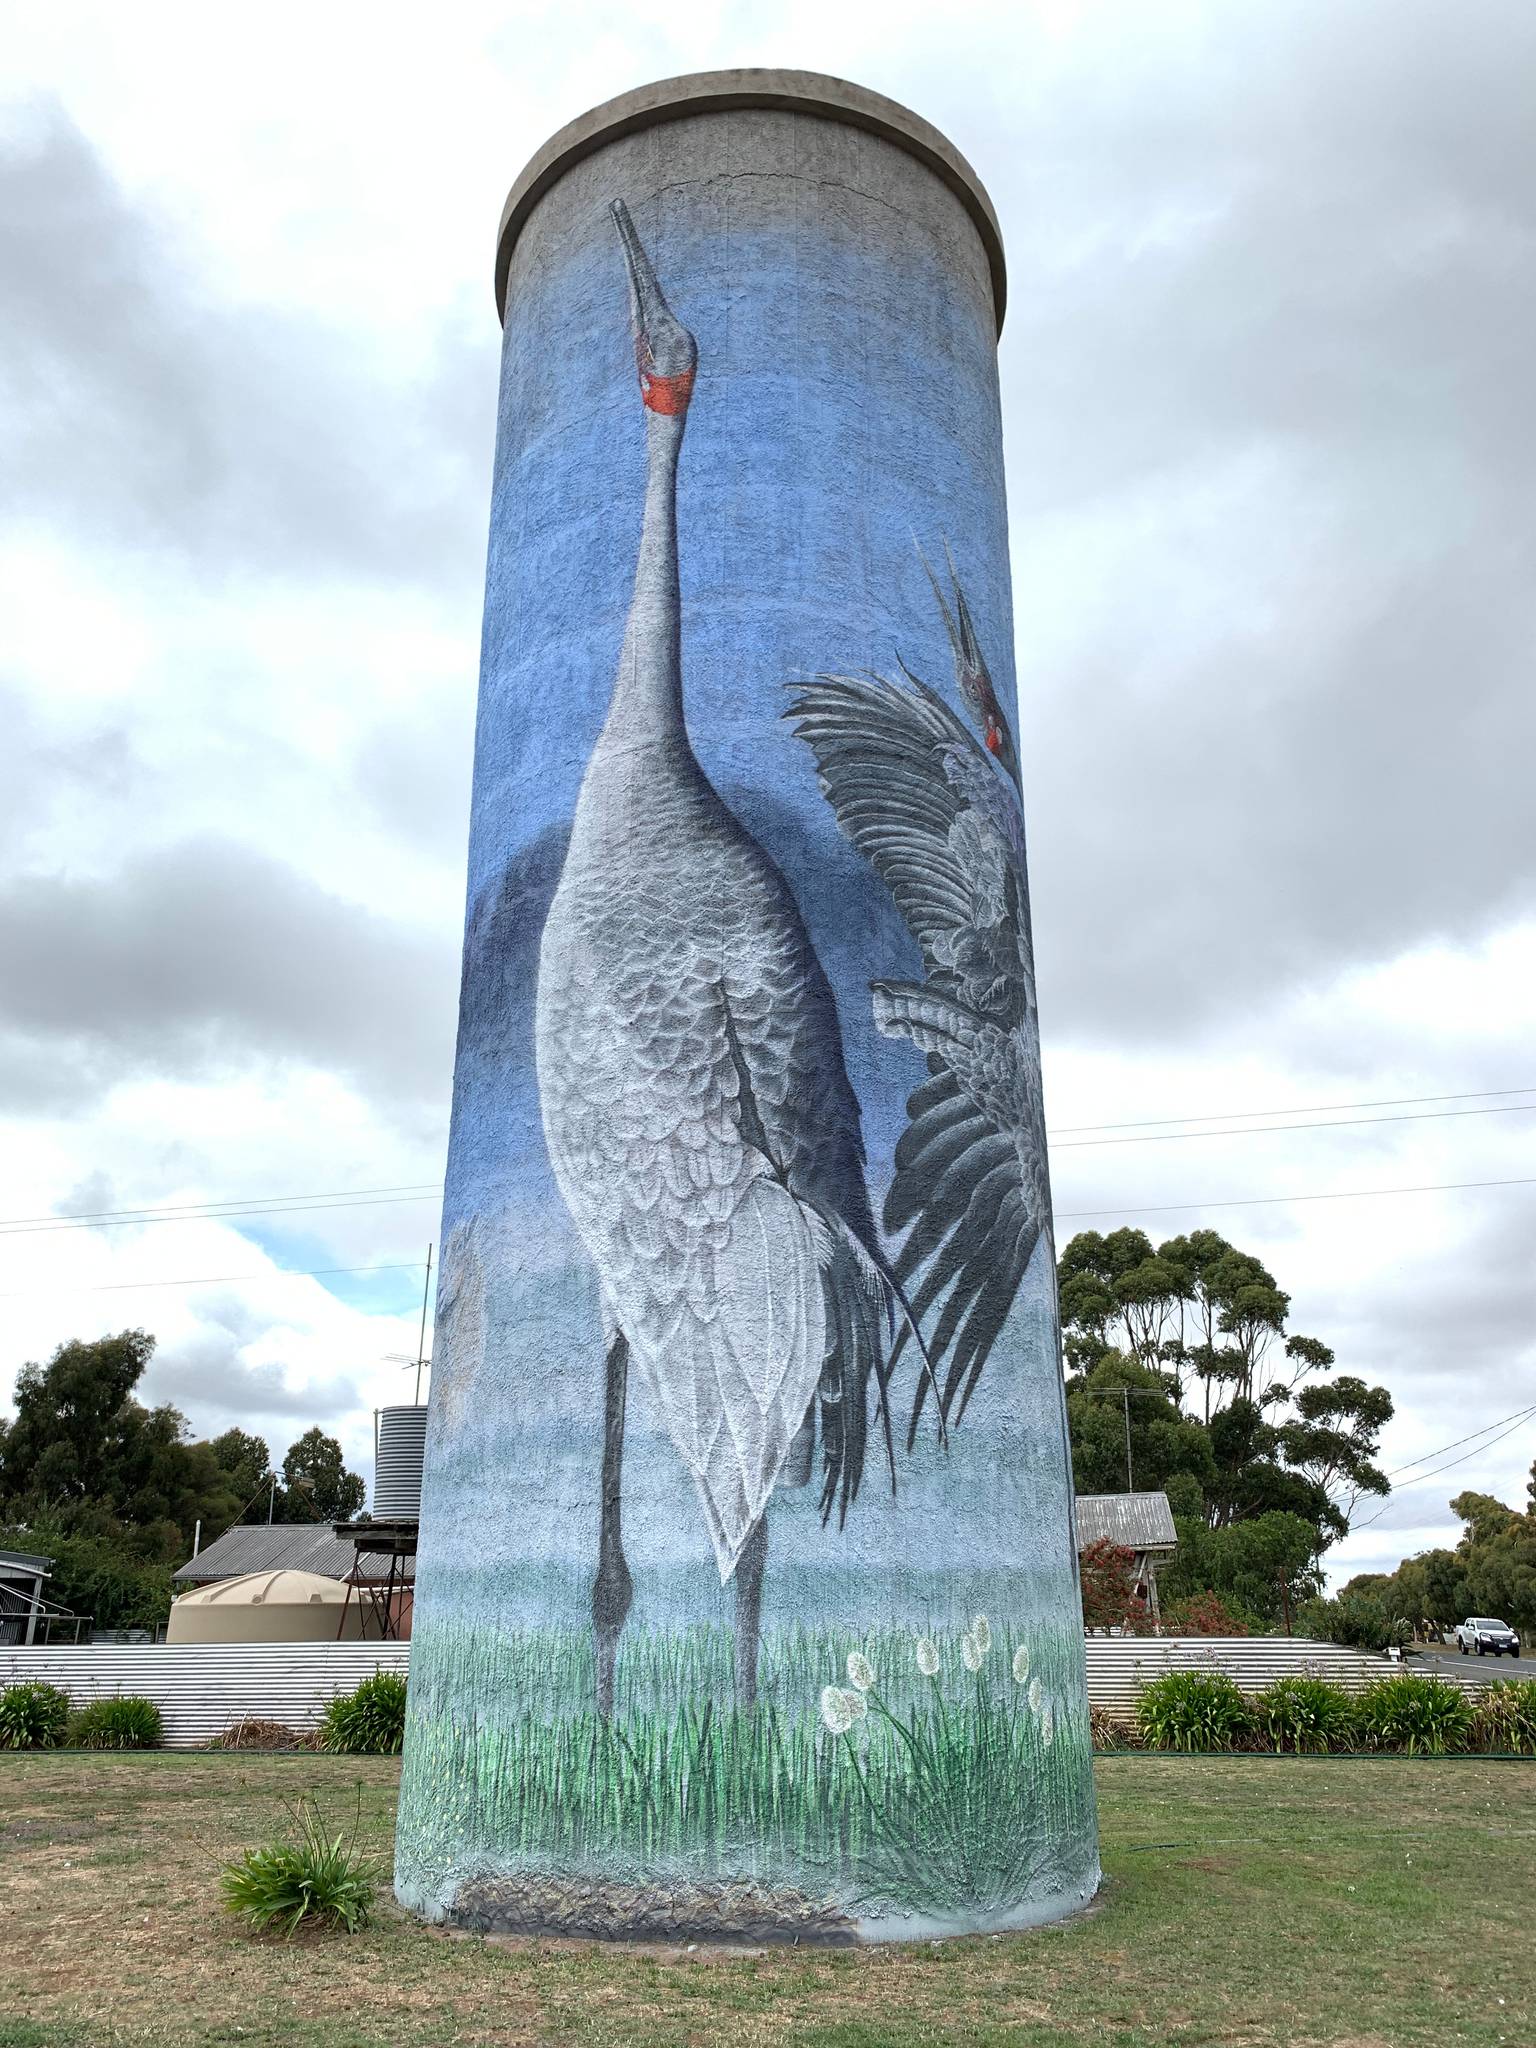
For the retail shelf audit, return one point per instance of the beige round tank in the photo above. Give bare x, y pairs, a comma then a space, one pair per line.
265, 1607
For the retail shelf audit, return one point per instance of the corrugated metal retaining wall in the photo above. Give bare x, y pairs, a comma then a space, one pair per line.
201, 1688
1119, 1666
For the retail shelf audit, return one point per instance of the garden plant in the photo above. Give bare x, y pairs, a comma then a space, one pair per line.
309, 1876
1504, 1719
33, 1716
1195, 1711
1303, 1714
1415, 1715
369, 1721
123, 1722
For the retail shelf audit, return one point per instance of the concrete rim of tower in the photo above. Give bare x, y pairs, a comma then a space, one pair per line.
713, 92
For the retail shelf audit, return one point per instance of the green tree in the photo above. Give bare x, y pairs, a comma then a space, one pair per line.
74, 1435
1266, 1567
1207, 1324
81, 1441
317, 1487
247, 1463
1333, 1439
1163, 1443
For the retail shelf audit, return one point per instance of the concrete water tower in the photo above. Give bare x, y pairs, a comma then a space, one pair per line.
747, 1487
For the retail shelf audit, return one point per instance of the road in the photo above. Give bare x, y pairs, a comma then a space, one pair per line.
1448, 1663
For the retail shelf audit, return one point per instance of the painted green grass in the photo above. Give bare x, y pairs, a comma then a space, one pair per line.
896, 1788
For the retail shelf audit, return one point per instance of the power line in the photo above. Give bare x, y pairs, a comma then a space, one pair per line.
1300, 1109
219, 1279
1457, 1441
1341, 1123
1465, 1459
213, 1202
237, 1207
1446, 1187
295, 1208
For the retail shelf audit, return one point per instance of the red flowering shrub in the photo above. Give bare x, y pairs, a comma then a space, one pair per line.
1109, 1588
1202, 1614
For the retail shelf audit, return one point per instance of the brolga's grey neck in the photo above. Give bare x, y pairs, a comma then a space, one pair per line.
647, 707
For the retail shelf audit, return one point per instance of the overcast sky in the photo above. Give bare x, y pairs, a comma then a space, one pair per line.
1269, 404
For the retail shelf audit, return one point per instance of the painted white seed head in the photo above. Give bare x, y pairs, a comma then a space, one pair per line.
971, 1652
928, 1656
1034, 1695
857, 1705
860, 1671
1021, 1663
1047, 1725
835, 1710
981, 1629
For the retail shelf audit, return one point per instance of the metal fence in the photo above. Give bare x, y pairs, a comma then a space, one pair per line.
1119, 1666
202, 1688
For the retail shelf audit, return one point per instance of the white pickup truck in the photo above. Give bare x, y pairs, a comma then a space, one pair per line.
1486, 1636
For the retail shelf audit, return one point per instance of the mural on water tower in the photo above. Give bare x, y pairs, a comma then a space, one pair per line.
805, 1320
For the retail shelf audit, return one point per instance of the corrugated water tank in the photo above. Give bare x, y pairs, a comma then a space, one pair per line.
397, 1465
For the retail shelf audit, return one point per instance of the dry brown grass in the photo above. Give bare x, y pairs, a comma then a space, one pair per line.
1306, 1902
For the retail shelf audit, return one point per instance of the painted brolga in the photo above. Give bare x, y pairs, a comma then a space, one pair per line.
698, 1115
937, 813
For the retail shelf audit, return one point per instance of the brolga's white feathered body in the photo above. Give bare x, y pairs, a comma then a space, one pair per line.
698, 1114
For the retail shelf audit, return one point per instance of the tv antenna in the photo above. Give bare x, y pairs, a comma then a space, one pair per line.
421, 1361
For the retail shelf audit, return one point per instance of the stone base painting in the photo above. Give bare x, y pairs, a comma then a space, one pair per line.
747, 1605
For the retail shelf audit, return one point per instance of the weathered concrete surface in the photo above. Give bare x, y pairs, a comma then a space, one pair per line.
719, 92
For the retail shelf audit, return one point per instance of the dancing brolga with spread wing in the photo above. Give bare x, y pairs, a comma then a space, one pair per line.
938, 815
698, 1114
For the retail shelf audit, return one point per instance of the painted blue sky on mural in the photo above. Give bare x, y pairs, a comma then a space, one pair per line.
800, 519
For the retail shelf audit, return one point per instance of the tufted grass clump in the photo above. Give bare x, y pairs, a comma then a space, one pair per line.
310, 1877
1504, 1719
1415, 1715
369, 1721
33, 1716
125, 1721
1306, 1715
1195, 1711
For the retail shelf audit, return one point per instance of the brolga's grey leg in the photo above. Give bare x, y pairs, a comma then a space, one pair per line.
749, 1609
612, 1589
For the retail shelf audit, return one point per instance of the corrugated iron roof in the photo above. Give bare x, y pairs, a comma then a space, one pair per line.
277, 1546
26, 1561
1139, 1521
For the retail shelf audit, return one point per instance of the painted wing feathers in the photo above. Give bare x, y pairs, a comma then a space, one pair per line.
913, 791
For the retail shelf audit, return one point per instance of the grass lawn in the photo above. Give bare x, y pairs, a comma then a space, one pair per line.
1255, 1902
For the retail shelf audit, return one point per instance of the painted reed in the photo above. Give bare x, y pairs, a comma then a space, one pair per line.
957, 1779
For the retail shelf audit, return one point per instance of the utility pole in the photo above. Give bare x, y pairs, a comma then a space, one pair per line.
271, 1499
421, 1341
1130, 1477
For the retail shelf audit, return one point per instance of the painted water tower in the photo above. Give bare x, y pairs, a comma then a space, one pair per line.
747, 1600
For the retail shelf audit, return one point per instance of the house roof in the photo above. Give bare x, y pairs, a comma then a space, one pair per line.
1138, 1521
278, 1546
26, 1563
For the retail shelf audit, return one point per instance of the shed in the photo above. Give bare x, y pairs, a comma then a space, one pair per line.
264, 1607
22, 1573
1141, 1523
269, 1547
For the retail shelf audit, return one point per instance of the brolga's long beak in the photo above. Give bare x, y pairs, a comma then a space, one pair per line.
972, 676
665, 352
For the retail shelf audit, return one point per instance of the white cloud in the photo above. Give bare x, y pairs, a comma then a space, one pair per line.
1267, 394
